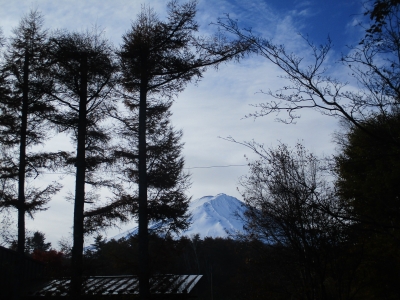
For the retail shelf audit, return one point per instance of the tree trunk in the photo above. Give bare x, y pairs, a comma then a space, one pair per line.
22, 159
77, 250
144, 288
21, 180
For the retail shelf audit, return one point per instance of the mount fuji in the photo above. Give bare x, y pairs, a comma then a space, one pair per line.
211, 216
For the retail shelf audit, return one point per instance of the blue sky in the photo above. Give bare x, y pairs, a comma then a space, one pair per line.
321, 18
216, 106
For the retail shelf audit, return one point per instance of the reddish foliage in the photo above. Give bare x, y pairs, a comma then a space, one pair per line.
55, 261
48, 257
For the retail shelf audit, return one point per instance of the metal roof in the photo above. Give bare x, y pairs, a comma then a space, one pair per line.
117, 285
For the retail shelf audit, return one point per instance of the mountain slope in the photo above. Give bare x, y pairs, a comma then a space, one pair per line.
215, 216
211, 216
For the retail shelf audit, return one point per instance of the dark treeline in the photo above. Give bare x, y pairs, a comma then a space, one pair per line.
231, 269
250, 269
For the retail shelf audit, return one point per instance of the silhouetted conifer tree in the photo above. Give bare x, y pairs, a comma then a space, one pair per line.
166, 180
83, 75
158, 58
24, 111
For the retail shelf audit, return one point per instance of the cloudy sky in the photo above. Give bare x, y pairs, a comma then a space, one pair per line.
215, 107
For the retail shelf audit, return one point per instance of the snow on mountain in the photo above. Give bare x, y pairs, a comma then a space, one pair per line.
216, 216
211, 216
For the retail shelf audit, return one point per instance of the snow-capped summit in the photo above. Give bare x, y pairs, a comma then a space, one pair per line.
216, 216
211, 216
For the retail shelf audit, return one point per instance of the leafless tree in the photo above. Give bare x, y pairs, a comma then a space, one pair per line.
374, 64
290, 202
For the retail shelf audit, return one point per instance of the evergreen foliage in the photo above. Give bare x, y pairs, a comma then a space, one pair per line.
367, 182
157, 60
25, 110
166, 180
37, 242
83, 73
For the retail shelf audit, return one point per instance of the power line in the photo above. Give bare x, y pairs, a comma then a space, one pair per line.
190, 168
209, 167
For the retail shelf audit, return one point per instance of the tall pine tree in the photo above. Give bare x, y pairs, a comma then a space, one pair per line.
157, 59
24, 112
83, 75
166, 180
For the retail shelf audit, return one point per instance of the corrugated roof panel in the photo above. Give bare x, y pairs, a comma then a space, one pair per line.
113, 285
176, 283
194, 279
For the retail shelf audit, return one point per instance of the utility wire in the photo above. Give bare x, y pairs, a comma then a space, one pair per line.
207, 167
